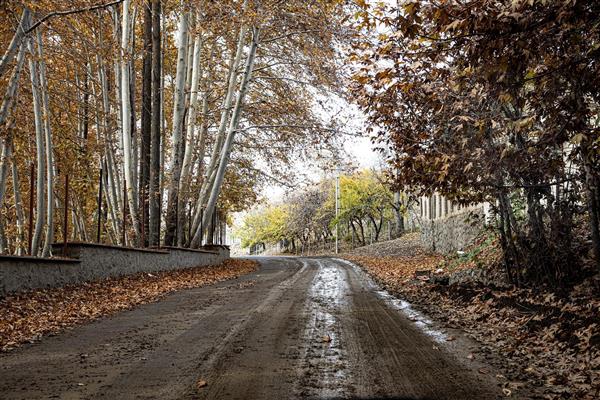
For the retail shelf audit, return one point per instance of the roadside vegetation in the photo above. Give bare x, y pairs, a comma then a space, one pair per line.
545, 342
306, 220
494, 101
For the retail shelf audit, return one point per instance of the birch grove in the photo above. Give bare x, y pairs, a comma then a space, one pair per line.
181, 110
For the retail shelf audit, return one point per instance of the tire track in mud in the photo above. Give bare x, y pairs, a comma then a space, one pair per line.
396, 356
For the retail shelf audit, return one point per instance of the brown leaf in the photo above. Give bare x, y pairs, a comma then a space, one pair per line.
201, 383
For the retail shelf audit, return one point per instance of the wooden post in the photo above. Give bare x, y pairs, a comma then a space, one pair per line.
98, 231
31, 191
66, 217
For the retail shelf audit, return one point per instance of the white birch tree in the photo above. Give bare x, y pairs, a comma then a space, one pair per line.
176, 138
128, 157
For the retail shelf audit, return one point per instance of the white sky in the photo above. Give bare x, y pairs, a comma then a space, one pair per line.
358, 148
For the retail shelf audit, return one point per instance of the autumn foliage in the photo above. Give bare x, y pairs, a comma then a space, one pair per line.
493, 101
182, 109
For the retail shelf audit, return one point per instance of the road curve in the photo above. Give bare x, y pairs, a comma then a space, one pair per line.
314, 328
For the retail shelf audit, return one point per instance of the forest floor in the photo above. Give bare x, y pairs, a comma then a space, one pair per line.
544, 340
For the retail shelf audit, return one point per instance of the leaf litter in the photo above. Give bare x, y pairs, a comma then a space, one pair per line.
547, 340
27, 316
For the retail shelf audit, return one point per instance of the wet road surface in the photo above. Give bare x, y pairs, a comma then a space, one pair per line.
314, 328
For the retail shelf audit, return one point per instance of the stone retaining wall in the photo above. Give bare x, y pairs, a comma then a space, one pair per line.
455, 232
84, 262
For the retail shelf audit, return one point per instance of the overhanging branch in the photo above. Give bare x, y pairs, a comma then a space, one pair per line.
69, 12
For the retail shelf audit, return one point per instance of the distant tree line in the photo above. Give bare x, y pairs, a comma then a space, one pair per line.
307, 219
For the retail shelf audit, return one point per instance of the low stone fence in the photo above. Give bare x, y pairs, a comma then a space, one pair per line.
84, 262
454, 232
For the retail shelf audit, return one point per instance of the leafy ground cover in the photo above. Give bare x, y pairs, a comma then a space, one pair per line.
27, 316
546, 340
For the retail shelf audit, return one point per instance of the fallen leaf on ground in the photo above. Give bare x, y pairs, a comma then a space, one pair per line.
201, 383
27, 316
549, 339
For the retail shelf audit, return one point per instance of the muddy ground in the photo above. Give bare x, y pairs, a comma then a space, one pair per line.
297, 328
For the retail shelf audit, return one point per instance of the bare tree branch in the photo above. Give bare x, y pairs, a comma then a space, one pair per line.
69, 12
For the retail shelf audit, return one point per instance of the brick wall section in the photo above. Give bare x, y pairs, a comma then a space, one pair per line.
86, 262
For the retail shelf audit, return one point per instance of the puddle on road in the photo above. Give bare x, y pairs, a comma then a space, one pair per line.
419, 319
326, 361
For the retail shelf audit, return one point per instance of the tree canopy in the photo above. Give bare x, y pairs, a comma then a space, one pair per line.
492, 101
180, 108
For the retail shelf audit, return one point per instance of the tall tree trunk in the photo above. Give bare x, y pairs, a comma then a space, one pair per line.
156, 123
177, 143
8, 105
190, 133
39, 144
16, 41
146, 117
128, 156
49, 150
13, 83
211, 171
233, 126
18, 209
591, 185
113, 187
4, 162
86, 105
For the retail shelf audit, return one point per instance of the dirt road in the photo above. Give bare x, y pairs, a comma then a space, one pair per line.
297, 328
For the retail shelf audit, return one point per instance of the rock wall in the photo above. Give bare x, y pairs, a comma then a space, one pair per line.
452, 233
83, 262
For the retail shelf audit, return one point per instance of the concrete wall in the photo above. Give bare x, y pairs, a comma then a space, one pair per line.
454, 232
83, 262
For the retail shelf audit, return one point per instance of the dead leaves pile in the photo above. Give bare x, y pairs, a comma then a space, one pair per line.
397, 270
25, 317
548, 341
